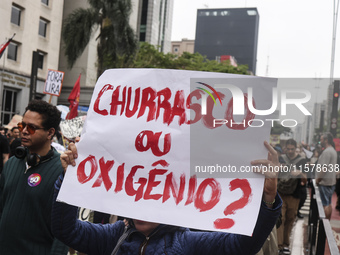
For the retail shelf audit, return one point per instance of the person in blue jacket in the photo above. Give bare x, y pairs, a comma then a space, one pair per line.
141, 237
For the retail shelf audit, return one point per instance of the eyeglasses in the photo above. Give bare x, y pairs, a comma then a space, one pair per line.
30, 128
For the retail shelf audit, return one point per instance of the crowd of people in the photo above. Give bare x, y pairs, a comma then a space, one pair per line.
33, 222
305, 164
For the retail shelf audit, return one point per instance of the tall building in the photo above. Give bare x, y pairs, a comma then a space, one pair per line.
306, 131
154, 22
151, 20
228, 32
37, 26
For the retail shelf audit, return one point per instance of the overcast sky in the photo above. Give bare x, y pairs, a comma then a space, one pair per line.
295, 36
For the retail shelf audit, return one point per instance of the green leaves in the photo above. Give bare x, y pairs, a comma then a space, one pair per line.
116, 40
77, 31
148, 56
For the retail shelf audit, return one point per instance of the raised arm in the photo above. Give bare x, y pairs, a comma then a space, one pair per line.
270, 183
83, 236
222, 243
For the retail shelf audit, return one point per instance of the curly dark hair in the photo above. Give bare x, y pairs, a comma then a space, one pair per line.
50, 113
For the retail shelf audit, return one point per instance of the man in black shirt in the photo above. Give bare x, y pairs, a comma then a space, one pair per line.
4, 151
26, 186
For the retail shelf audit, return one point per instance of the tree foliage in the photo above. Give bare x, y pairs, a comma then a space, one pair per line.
149, 56
117, 40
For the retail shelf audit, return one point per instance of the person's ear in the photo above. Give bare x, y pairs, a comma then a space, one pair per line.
51, 133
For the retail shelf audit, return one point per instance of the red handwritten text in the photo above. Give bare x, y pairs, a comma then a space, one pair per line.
151, 103
143, 187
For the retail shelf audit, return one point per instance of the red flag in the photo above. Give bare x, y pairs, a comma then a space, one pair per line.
74, 100
4, 46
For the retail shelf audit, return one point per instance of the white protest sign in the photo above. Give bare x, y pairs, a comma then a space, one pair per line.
72, 128
134, 154
54, 82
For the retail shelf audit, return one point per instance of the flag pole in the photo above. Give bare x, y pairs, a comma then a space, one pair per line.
1, 88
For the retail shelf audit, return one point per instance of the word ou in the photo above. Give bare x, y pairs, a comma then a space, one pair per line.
252, 122
239, 100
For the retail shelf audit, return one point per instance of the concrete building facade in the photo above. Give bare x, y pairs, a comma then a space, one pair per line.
306, 131
154, 22
186, 45
37, 26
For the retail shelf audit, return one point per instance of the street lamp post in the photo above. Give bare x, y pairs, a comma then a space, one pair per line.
335, 21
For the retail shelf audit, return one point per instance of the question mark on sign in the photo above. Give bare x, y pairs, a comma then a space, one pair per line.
244, 185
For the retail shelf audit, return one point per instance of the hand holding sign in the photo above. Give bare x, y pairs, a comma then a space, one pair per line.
68, 157
267, 167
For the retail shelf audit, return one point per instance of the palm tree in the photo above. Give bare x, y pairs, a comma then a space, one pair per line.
117, 40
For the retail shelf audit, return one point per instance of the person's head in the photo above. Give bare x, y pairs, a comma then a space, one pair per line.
39, 124
15, 132
291, 148
315, 153
2, 130
145, 227
326, 139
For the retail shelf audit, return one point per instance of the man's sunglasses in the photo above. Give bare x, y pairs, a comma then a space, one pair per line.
30, 128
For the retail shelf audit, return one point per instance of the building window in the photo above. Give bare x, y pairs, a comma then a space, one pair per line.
45, 2
42, 27
41, 60
12, 51
213, 13
251, 12
9, 101
15, 16
143, 21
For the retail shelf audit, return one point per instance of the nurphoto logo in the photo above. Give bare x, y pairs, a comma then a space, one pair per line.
243, 103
